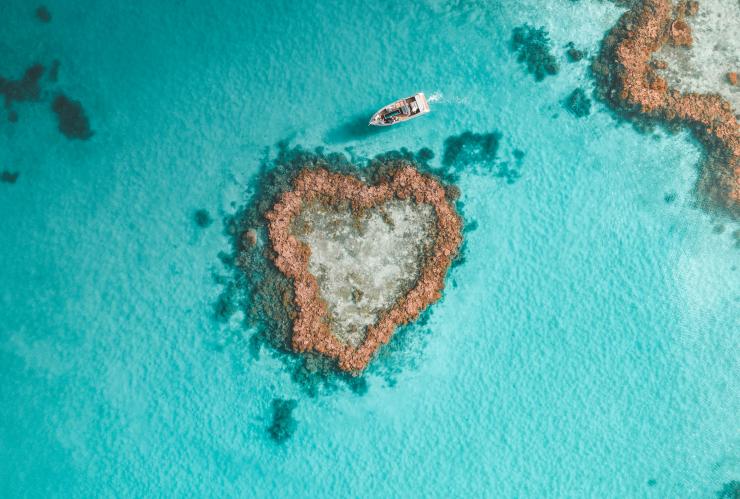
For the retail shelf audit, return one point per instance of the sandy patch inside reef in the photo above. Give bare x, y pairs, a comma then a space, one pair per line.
364, 263
715, 51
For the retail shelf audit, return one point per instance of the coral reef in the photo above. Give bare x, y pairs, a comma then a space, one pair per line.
283, 424
255, 308
532, 46
311, 328
578, 103
629, 83
73, 122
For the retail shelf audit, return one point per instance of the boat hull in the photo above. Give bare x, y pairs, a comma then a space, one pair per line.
401, 110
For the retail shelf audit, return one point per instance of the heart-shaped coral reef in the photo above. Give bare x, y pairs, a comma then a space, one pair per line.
363, 259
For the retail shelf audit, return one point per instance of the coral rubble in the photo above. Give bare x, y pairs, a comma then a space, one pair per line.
629, 83
312, 329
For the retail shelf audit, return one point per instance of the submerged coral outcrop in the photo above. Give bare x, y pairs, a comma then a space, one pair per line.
26, 88
72, 120
627, 79
9, 177
532, 46
577, 103
283, 423
363, 259
202, 218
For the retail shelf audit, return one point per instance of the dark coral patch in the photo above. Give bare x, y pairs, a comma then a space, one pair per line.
202, 218
470, 147
508, 173
578, 104
283, 424
532, 46
43, 14
25, 89
477, 153
424, 155
9, 177
73, 122
574, 54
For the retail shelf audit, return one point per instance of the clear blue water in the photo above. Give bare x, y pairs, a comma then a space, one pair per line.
589, 348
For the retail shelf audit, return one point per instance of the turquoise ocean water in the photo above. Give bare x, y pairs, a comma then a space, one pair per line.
588, 349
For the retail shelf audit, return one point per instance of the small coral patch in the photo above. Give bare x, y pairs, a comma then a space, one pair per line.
532, 46
73, 122
578, 104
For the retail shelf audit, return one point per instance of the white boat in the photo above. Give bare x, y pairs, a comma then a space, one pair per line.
401, 110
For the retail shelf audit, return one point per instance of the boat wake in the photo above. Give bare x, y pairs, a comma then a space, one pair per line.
439, 98
435, 97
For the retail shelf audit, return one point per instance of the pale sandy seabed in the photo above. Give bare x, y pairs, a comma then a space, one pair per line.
364, 263
715, 51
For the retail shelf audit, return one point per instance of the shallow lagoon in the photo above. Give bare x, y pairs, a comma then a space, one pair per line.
585, 346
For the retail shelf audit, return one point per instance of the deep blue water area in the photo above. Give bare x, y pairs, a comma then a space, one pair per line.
586, 345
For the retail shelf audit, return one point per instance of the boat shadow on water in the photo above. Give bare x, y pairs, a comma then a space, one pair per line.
356, 128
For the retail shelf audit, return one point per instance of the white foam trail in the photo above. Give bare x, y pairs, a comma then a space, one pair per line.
440, 98
435, 97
